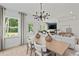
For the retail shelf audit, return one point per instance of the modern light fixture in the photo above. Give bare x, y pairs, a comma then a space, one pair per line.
43, 14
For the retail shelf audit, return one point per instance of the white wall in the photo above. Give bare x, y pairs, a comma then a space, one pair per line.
61, 14
71, 23
12, 42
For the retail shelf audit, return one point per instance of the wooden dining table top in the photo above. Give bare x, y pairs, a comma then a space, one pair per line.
58, 47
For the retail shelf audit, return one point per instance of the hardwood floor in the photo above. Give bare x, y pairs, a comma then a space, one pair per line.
16, 51
22, 51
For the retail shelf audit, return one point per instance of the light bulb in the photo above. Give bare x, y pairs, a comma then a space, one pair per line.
70, 12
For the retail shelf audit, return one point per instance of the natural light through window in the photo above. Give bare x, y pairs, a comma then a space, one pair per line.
11, 25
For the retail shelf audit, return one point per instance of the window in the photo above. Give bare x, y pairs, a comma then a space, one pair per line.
30, 27
11, 25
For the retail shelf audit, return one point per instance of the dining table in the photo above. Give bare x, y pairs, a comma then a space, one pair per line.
58, 47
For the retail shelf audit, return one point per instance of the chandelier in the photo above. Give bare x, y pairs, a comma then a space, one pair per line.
42, 16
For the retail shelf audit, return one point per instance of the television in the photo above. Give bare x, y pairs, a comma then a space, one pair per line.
52, 25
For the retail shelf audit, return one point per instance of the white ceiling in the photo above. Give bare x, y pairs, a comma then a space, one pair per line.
55, 9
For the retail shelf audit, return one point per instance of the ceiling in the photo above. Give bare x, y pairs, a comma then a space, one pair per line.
55, 9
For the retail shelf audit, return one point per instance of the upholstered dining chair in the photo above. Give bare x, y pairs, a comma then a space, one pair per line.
30, 45
40, 49
75, 51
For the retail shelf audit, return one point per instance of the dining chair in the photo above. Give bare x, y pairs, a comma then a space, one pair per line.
41, 50
30, 43
76, 51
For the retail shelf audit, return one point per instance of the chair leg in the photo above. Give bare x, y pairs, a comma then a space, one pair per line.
31, 51
27, 48
35, 54
54, 54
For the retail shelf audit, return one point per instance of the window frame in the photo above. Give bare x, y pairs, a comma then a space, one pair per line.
8, 18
